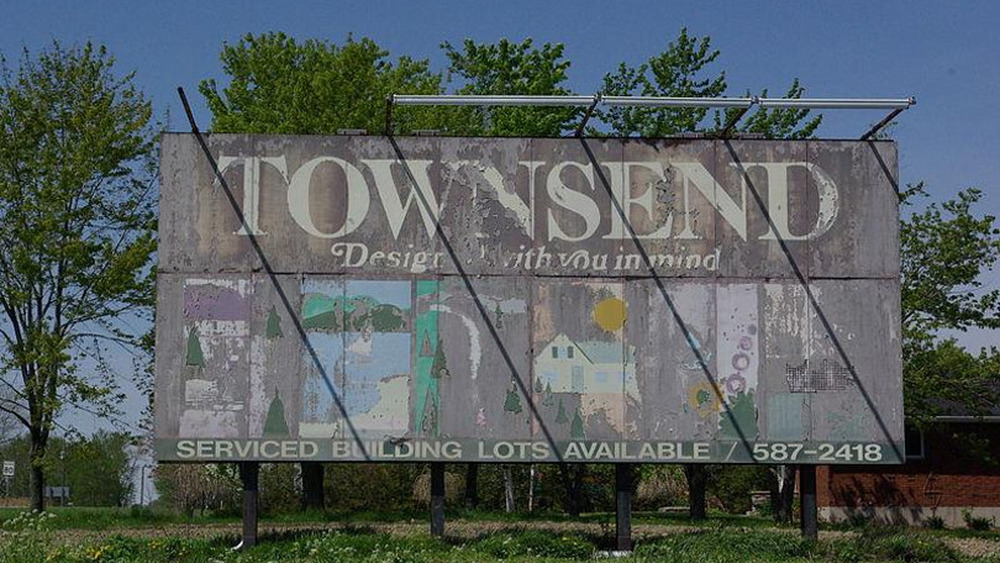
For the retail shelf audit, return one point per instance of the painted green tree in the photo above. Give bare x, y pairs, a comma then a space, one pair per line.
77, 233
576, 431
387, 318
548, 400
439, 368
275, 425
561, 417
512, 403
273, 329
194, 356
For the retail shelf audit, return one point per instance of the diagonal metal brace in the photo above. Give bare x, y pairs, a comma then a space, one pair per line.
887, 119
587, 114
731, 124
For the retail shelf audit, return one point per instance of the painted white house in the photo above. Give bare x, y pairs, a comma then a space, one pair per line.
586, 368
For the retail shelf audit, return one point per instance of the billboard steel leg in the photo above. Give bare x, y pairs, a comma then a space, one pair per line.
437, 499
807, 488
312, 486
249, 472
623, 512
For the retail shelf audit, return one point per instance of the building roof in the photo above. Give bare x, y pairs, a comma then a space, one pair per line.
984, 405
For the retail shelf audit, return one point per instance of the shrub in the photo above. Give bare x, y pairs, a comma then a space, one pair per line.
730, 485
661, 485
977, 523
934, 523
279, 491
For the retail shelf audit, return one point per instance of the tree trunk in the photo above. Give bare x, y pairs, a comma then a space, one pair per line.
37, 474
471, 486
783, 493
697, 479
508, 489
531, 487
572, 478
312, 486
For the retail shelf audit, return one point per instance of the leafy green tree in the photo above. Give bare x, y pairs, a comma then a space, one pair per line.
945, 250
98, 469
278, 85
775, 123
684, 69
680, 70
77, 220
508, 68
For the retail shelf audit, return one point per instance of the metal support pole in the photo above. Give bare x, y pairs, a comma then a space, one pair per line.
623, 507
437, 499
389, 102
807, 490
249, 472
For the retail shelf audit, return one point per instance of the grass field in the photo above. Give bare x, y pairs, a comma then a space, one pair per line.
82, 534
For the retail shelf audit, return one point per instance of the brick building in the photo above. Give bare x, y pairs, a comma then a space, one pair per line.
947, 473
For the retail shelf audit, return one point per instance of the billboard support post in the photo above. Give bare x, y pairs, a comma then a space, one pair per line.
249, 473
807, 488
312, 485
437, 499
623, 512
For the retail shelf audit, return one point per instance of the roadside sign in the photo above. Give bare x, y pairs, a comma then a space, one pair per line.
8, 468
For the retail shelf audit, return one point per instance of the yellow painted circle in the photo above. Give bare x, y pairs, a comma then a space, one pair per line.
704, 399
610, 314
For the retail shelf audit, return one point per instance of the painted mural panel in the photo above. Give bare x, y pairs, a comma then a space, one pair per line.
526, 300
844, 375
478, 363
216, 357
672, 325
274, 354
581, 364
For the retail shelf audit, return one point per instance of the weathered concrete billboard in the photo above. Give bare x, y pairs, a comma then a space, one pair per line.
404, 299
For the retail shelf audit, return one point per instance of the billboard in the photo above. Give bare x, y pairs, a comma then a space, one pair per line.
528, 300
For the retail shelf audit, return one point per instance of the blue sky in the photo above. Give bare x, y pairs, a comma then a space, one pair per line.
944, 53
